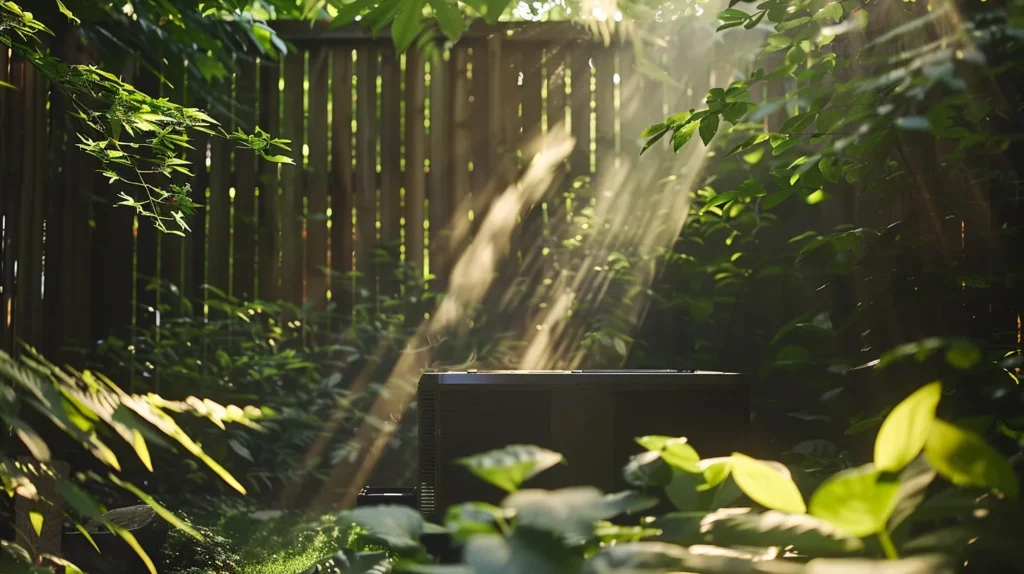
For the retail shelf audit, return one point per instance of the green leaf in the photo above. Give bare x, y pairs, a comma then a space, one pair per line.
905, 430
64, 10
683, 490
965, 459
767, 485
708, 127
675, 451
732, 15
465, 520
570, 513
32, 440
923, 564
494, 10
719, 199
397, 527
796, 56
831, 12
808, 535
647, 469
407, 25
449, 18
535, 552
734, 112
774, 198
78, 500
507, 468
828, 119
683, 135
36, 518
857, 500
654, 130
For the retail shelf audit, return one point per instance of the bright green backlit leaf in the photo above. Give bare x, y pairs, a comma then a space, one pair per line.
965, 459
507, 468
857, 500
36, 518
766, 485
906, 429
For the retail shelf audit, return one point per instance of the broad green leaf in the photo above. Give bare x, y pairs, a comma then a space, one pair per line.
831, 13
157, 507
469, 519
78, 500
675, 451
914, 482
965, 459
647, 469
407, 25
36, 518
570, 513
708, 128
662, 558
905, 430
923, 564
397, 527
495, 9
682, 135
766, 485
448, 18
734, 112
808, 535
654, 130
732, 15
775, 198
715, 471
507, 468
857, 500
720, 199
828, 119
525, 551
682, 491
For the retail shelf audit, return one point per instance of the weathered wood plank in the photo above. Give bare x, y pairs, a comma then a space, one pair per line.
462, 133
554, 68
341, 178
317, 174
415, 178
439, 178
268, 214
147, 238
604, 97
366, 166
391, 172
243, 244
218, 238
10, 115
579, 106
532, 101
292, 268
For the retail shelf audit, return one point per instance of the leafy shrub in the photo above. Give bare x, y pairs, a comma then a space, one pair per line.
935, 495
90, 410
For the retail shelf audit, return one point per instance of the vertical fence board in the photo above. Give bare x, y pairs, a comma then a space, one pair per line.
341, 177
462, 133
218, 238
293, 190
390, 174
480, 143
604, 97
28, 310
10, 103
439, 178
554, 67
366, 164
268, 245
317, 174
243, 240
415, 178
579, 106
532, 100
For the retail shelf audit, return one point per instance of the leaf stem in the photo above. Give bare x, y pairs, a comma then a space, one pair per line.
887, 546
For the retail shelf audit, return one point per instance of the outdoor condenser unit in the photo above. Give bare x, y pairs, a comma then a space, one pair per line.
591, 417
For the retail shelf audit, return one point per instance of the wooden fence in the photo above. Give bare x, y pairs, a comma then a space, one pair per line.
389, 151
